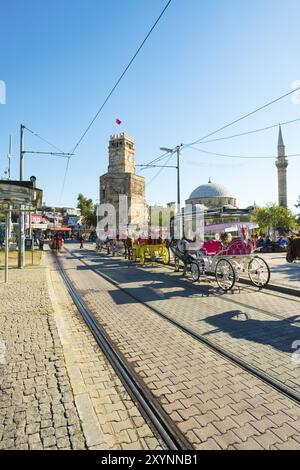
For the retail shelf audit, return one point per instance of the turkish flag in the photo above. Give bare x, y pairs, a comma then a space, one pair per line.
118, 121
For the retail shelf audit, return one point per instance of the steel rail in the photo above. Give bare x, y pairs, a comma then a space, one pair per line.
164, 426
261, 375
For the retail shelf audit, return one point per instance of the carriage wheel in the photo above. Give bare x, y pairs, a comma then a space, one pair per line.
259, 272
225, 274
165, 255
177, 263
195, 271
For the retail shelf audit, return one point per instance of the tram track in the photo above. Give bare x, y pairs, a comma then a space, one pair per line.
151, 409
237, 361
270, 291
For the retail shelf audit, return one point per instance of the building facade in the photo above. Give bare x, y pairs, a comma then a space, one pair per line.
121, 179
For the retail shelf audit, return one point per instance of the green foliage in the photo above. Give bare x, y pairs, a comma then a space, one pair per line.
88, 211
274, 217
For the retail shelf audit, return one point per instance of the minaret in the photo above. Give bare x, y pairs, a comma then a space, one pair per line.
281, 164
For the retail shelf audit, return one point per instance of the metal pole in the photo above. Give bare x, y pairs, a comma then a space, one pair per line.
22, 152
30, 228
7, 218
32, 249
178, 178
178, 191
9, 155
21, 239
21, 213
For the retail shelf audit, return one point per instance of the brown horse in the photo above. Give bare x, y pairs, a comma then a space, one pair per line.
293, 250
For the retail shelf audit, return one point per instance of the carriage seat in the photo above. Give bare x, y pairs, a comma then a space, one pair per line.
238, 247
211, 247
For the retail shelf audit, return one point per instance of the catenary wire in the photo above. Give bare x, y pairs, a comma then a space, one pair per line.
238, 120
42, 138
239, 156
113, 89
121, 76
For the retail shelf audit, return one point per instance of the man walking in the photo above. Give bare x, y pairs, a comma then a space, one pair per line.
81, 240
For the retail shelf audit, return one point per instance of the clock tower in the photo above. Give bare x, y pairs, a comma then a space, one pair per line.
121, 154
121, 179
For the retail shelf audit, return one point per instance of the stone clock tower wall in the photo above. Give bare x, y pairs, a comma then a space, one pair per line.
121, 178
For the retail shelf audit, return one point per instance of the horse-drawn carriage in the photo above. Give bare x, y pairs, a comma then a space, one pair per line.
226, 259
151, 248
111, 246
293, 249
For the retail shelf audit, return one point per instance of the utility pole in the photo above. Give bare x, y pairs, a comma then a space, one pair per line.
22, 152
177, 150
21, 241
178, 178
9, 155
7, 235
21, 213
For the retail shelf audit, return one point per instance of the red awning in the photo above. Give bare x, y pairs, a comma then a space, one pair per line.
61, 229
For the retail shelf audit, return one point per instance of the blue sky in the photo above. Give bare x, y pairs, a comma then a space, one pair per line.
207, 63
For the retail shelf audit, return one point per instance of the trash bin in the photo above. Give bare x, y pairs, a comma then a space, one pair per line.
28, 243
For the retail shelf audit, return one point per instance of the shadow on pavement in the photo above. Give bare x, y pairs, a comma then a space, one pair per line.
280, 334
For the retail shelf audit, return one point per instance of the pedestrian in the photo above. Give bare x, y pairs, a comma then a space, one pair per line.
58, 242
81, 240
41, 243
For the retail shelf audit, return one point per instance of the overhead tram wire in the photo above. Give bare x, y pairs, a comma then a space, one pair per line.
44, 140
64, 180
115, 86
245, 116
122, 75
243, 157
273, 126
184, 146
160, 170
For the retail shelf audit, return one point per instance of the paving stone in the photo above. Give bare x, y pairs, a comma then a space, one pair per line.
28, 329
221, 393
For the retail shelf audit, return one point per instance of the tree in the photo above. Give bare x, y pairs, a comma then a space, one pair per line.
298, 203
88, 210
274, 217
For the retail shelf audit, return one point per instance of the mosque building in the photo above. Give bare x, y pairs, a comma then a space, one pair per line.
217, 196
212, 196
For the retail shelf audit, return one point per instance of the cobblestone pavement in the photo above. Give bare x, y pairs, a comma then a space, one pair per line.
283, 273
109, 417
215, 403
57, 390
258, 327
37, 410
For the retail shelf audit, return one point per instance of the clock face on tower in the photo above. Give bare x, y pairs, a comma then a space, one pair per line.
115, 158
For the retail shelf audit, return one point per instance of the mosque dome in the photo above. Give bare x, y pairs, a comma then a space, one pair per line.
212, 195
210, 190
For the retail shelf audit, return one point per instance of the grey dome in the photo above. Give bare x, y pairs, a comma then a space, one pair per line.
210, 190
